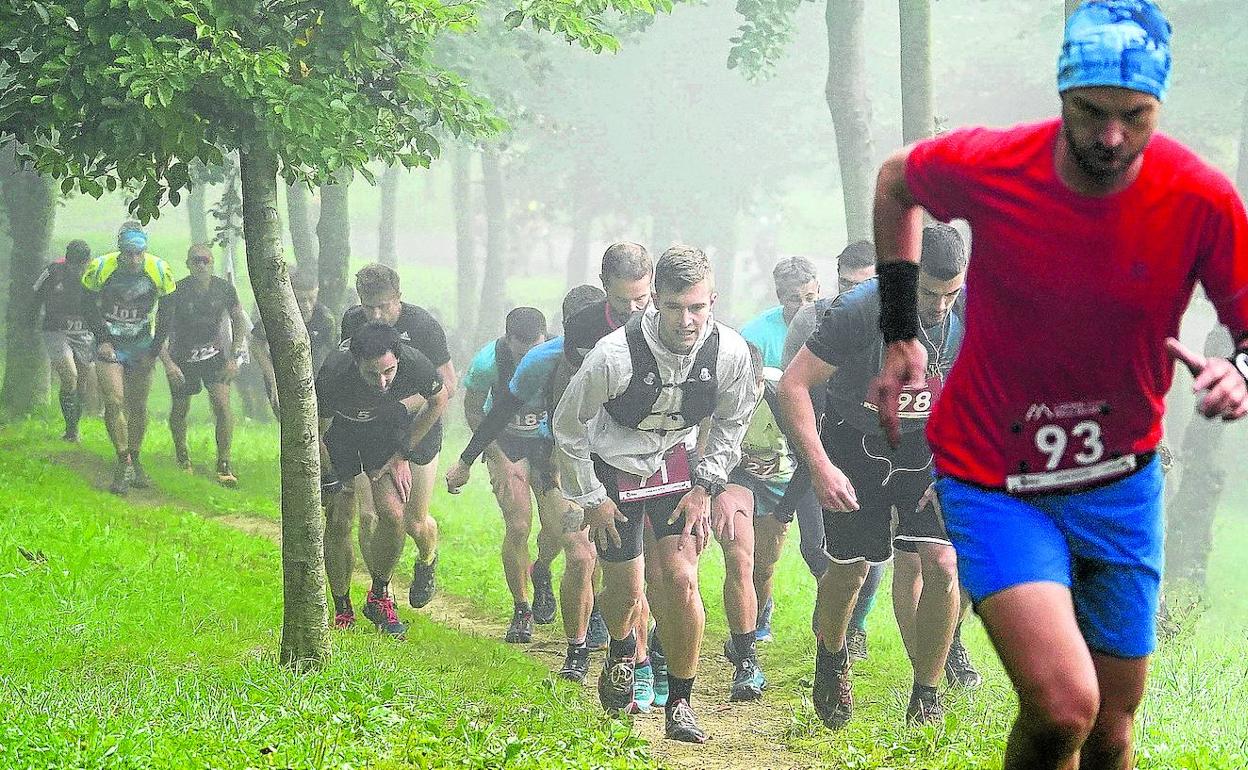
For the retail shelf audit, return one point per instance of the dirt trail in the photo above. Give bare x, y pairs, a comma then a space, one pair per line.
742, 735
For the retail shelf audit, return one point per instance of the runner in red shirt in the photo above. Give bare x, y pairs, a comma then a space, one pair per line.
1089, 236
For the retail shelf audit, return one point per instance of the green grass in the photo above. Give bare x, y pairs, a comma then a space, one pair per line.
1193, 716
145, 637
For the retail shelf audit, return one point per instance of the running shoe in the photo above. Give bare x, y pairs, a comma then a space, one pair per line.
140, 479
856, 641
924, 707
380, 610
543, 596
958, 668
596, 637
424, 582
575, 664
521, 629
658, 662
832, 693
643, 690
344, 621
762, 633
123, 477
681, 725
747, 681
225, 475
615, 685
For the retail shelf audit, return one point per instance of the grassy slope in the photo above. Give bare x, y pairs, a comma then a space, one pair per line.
146, 640
1193, 716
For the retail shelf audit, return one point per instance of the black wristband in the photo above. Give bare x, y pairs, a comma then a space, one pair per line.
899, 300
711, 486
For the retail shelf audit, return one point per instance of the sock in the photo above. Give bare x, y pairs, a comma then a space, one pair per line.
866, 597
957, 635
643, 662
71, 410
655, 647
576, 644
342, 604
428, 561
380, 588
744, 645
679, 689
623, 648
540, 569
922, 689
834, 659
523, 607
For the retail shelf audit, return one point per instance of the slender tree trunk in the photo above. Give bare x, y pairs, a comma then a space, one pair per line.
727, 241
30, 201
386, 250
333, 234
1241, 170
466, 287
197, 213
298, 214
846, 94
1192, 507
494, 286
578, 252
305, 635
918, 118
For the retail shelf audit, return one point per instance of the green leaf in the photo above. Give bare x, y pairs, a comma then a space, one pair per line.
514, 19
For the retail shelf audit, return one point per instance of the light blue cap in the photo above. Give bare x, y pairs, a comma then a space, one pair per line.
1123, 43
132, 240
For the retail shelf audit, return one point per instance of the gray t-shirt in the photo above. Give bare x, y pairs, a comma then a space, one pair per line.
848, 337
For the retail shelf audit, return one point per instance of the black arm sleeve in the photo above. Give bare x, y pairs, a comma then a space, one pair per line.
92, 318
505, 407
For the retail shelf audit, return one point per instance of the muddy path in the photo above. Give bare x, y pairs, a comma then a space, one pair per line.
748, 735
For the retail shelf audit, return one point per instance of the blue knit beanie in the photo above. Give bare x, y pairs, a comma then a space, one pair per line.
1123, 43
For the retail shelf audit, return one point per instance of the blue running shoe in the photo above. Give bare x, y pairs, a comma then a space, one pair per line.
643, 689
658, 663
762, 633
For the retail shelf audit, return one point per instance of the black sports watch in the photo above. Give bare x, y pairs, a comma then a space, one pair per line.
711, 486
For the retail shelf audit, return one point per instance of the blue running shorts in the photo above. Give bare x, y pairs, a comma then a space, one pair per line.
1104, 544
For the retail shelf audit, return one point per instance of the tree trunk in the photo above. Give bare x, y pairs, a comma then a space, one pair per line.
30, 201
386, 250
1241, 170
466, 288
197, 212
333, 234
727, 242
578, 252
1191, 509
302, 239
494, 286
918, 119
305, 635
846, 94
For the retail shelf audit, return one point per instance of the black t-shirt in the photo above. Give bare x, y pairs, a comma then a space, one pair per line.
583, 330
320, 334
199, 325
416, 327
363, 411
848, 337
59, 289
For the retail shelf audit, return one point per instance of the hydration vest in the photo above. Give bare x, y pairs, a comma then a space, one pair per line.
631, 408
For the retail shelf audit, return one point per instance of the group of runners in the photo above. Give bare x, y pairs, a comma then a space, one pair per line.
985, 418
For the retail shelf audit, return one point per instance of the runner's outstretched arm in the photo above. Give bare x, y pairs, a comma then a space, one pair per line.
502, 410
898, 245
805, 372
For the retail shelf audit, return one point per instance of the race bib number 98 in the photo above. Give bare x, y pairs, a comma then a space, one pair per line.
915, 401
1054, 448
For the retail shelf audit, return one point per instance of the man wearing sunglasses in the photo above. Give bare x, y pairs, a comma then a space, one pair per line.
207, 340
